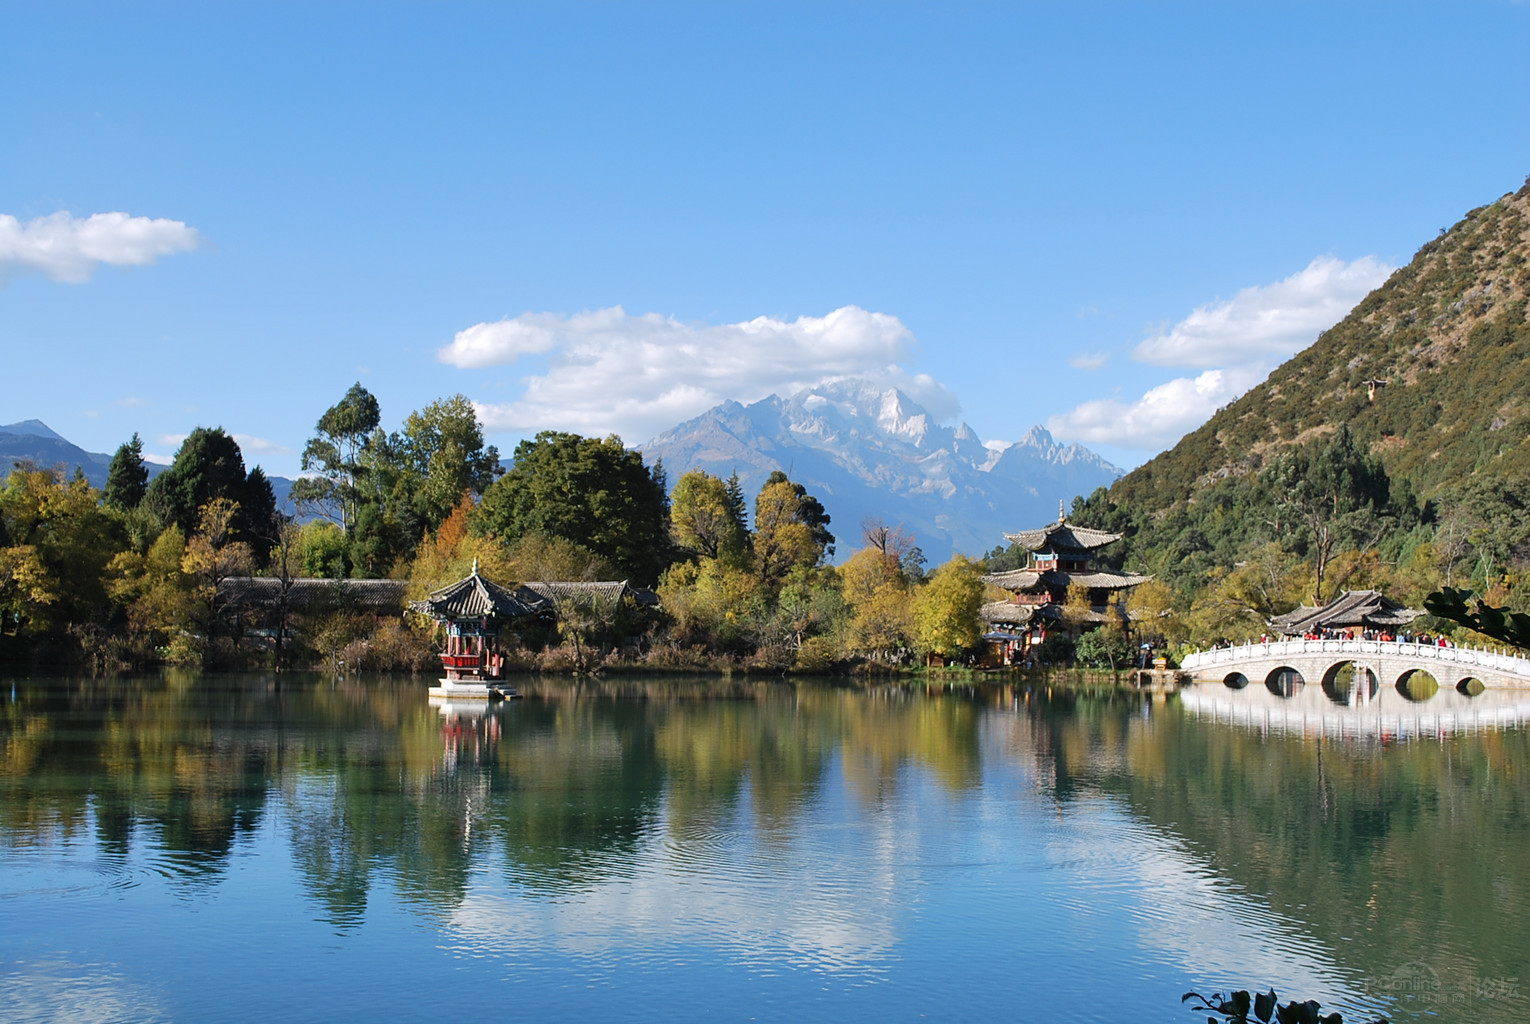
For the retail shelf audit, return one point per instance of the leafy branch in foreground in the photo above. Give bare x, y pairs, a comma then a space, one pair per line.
1265, 1006
1498, 623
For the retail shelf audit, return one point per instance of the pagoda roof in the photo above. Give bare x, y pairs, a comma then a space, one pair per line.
1029, 580
1366, 608
1006, 613
474, 597
1062, 536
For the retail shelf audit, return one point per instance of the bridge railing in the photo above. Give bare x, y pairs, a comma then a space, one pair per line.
1510, 664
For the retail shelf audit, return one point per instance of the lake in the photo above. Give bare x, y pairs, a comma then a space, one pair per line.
234, 848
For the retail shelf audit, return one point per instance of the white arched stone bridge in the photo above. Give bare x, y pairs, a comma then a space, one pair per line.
1281, 664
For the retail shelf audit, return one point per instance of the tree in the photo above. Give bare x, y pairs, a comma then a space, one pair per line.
333, 456
595, 493
946, 609
55, 543
1501, 624
790, 528
705, 519
443, 448
127, 478
207, 467
1331, 499
881, 604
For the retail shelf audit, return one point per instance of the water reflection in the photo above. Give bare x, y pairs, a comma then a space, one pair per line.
818, 828
1357, 707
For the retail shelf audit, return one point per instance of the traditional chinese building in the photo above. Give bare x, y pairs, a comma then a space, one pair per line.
474, 612
1059, 557
1353, 613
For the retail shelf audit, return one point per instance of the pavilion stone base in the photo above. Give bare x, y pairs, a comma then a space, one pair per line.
472, 691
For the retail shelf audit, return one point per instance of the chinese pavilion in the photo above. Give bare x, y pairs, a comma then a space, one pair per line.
1059, 558
473, 611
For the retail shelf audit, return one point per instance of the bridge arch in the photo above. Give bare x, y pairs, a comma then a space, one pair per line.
1417, 685
1235, 680
1471, 686
1284, 681
1349, 682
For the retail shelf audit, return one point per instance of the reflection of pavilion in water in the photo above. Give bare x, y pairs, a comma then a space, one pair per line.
470, 732
1353, 704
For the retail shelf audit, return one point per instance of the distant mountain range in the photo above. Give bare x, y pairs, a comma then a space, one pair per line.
34, 441
870, 452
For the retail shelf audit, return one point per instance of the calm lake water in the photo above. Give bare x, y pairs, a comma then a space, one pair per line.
233, 849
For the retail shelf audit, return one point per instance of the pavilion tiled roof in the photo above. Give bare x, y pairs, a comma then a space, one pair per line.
1024, 580
1363, 608
1006, 613
474, 597
1062, 536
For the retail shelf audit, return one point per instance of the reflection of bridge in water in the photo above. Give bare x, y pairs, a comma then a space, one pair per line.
1389, 661
1360, 687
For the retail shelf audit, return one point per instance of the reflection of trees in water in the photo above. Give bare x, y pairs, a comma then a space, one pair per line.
186, 767
1389, 856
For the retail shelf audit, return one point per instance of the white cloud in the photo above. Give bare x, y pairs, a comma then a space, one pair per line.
259, 445
1270, 321
1159, 418
68, 248
637, 375
1236, 342
1089, 361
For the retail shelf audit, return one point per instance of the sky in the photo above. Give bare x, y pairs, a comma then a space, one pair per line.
1106, 218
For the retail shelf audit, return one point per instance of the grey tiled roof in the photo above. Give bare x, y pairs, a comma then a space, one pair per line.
378, 595
1363, 608
558, 591
1062, 536
474, 597
1019, 580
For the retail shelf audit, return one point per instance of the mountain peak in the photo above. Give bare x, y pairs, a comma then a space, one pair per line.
35, 428
871, 451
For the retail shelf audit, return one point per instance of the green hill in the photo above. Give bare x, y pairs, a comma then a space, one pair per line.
1448, 333
1230, 516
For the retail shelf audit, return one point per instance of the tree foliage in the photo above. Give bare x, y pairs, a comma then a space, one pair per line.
333, 458
707, 521
946, 609
592, 492
127, 478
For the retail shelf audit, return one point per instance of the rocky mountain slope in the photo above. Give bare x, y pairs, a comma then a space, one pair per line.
866, 451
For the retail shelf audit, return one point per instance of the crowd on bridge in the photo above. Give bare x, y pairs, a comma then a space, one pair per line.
1383, 635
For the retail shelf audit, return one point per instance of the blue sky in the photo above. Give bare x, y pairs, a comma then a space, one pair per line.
1107, 218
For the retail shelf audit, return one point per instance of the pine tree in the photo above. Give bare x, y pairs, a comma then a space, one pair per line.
127, 480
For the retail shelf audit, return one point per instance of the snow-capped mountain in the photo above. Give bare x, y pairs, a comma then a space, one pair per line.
866, 451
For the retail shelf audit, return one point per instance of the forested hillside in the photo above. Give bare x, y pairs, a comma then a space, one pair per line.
1392, 452
1449, 335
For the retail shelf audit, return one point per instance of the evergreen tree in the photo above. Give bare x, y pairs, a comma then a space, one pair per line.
127, 479
592, 492
333, 454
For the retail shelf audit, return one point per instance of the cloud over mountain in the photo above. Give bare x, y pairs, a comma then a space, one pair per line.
609, 370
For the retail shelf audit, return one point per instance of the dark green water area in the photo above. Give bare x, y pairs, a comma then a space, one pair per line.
238, 848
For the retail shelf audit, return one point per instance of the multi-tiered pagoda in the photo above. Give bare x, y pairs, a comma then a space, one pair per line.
1059, 558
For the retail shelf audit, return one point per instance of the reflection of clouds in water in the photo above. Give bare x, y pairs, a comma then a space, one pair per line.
57, 990
821, 903
1131, 877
